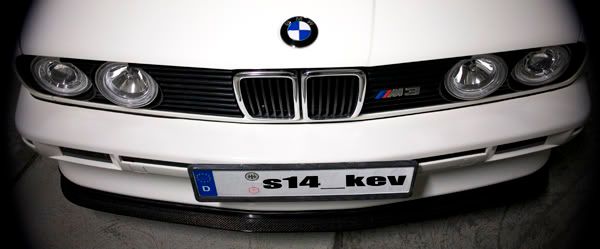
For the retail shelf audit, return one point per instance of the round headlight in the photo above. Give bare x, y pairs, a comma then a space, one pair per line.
541, 67
125, 85
60, 78
476, 77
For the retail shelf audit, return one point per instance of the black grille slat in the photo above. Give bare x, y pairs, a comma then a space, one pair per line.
201, 88
425, 93
289, 107
350, 97
169, 91
267, 95
198, 109
201, 98
335, 97
279, 99
273, 105
190, 107
344, 92
420, 99
327, 97
251, 104
312, 100
332, 97
205, 80
165, 75
320, 101
402, 105
264, 98
196, 103
255, 91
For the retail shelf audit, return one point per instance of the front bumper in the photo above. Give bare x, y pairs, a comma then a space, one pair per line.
313, 221
556, 114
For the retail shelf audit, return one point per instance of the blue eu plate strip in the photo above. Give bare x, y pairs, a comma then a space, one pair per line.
205, 182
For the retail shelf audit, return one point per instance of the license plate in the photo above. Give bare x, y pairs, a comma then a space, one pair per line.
290, 182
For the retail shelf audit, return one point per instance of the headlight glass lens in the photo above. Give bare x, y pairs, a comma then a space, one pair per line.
476, 77
126, 85
60, 78
541, 67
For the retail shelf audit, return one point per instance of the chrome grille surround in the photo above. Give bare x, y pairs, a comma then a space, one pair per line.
237, 88
362, 84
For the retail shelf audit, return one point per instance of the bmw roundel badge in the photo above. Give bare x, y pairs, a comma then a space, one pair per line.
299, 31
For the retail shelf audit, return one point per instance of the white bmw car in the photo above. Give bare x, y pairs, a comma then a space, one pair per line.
215, 113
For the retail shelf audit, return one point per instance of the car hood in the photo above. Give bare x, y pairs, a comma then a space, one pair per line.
242, 34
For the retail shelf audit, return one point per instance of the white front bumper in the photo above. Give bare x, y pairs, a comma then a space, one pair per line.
49, 126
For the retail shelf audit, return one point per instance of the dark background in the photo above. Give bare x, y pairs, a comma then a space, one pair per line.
582, 228
12, 15
589, 208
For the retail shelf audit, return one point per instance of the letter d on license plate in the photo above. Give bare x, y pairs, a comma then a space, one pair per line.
289, 182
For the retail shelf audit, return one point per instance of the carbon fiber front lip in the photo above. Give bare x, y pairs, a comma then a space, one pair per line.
303, 221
